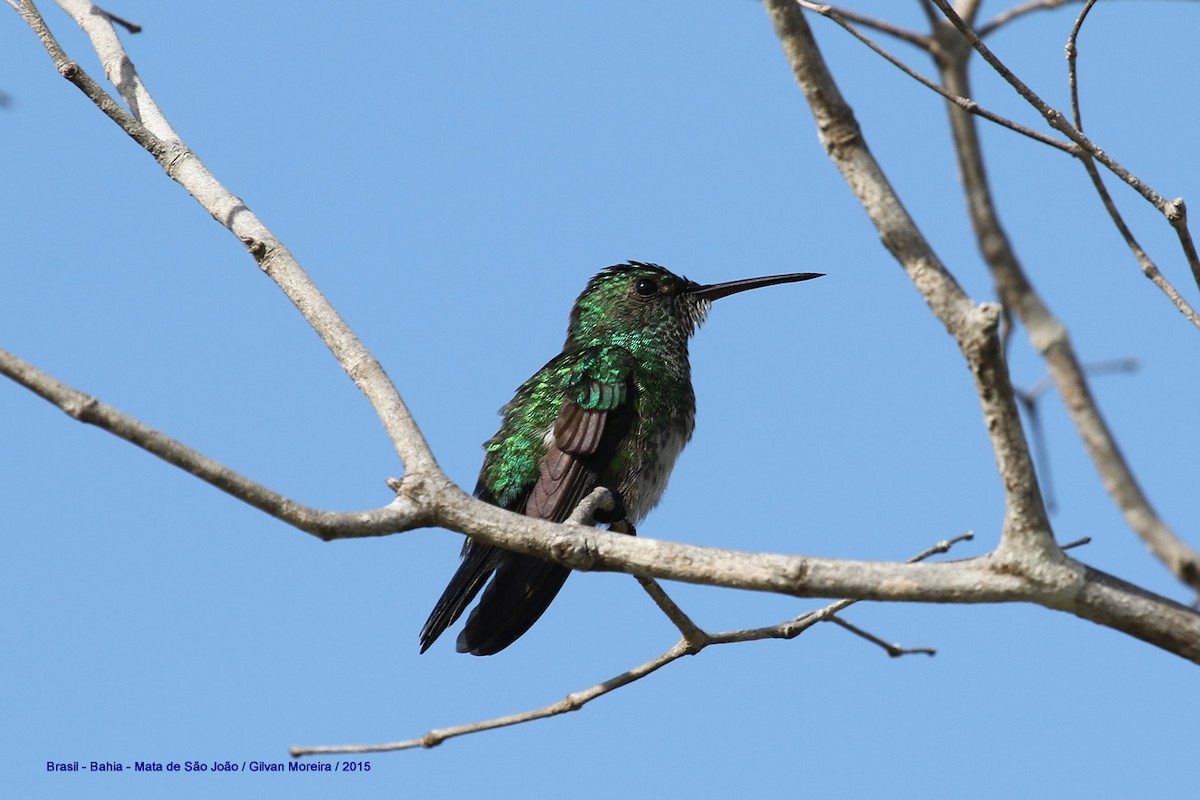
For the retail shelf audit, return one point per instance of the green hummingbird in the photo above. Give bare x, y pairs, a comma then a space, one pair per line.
613, 409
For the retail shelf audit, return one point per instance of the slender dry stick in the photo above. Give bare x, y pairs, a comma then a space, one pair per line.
797, 625
890, 648
1052, 115
926, 43
1047, 334
1149, 268
883, 26
684, 647
692, 634
183, 166
1175, 211
98, 25
1182, 560
401, 514
1005, 17
572, 702
1029, 400
585, 513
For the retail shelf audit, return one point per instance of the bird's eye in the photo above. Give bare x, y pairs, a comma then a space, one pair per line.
646, 287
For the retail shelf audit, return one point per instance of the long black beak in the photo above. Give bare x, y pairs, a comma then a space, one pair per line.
715, 291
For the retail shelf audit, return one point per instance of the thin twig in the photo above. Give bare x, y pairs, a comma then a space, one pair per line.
965, 103
931, 14
1072, 63
1108, 367
893, 650
585, 513
70, 70
941, 547
797, 625
1173, 210
1029, 401
1005, 17
572, 702
684, 647
132, 27
1177, 216
1149, 268
692, 634
272, 256
118, 68
883, 26
323, 524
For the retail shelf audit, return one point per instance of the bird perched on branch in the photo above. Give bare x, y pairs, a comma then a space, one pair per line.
614, 409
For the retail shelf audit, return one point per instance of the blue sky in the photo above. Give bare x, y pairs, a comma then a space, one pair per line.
451, 175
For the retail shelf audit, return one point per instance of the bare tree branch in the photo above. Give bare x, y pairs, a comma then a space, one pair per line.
927, 43
1149, 268
184, 167
1174, 210
572, 702
890, 648
401, 514
692, 634
1007, 16
844, 16
945, 46
1047, 334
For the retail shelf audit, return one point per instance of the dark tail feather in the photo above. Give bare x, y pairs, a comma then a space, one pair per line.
477, 565
519, 594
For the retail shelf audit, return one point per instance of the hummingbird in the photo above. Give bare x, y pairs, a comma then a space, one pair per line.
613, 409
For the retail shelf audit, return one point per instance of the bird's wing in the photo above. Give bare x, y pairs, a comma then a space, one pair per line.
577, 454
594, 416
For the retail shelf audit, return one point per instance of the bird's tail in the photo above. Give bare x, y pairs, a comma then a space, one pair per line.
478, 562
523, 588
